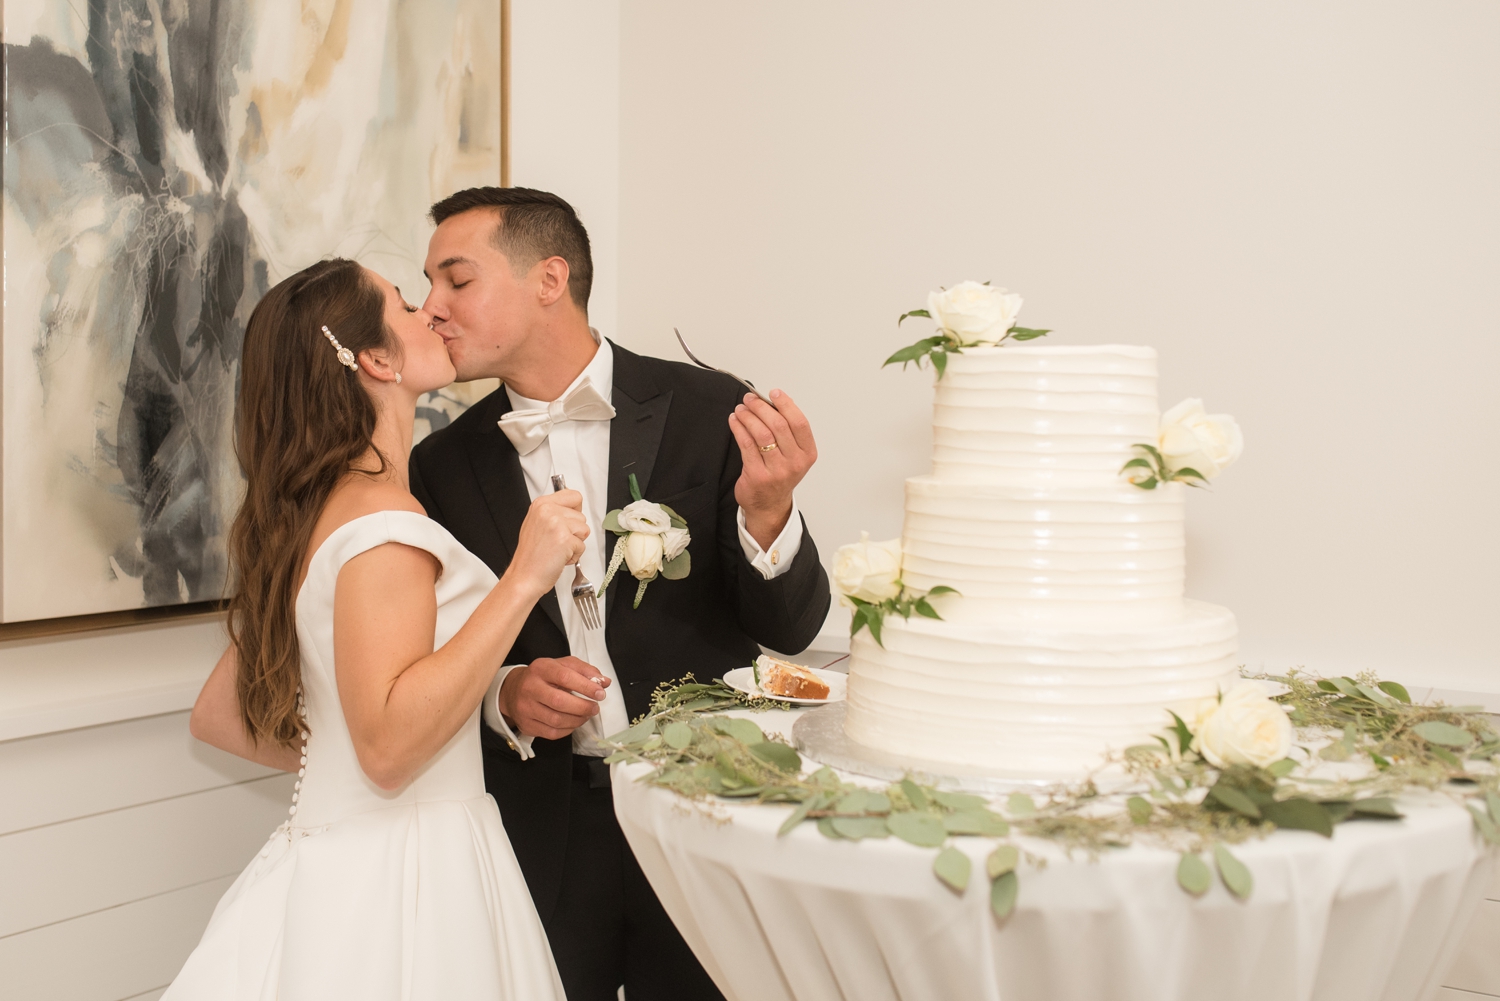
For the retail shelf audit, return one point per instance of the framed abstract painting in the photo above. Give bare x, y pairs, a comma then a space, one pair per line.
166, 162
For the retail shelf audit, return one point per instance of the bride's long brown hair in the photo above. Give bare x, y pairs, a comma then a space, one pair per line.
301, 420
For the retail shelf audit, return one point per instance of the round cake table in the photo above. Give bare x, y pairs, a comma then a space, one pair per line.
1374, 914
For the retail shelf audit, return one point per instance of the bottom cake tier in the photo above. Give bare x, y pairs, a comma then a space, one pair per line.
1028, 698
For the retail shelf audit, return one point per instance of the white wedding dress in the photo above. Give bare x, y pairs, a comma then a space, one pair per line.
413, 894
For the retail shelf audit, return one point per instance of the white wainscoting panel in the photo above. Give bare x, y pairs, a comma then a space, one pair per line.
61, 776
56, 872
114, 954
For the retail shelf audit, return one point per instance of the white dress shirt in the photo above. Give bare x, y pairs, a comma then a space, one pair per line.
579, 452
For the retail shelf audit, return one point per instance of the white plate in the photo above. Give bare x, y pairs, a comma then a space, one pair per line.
742, 679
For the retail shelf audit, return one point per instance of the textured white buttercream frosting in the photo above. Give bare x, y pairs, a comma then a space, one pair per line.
1071, 635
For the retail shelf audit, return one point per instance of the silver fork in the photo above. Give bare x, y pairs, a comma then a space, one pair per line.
583, 591
743, 382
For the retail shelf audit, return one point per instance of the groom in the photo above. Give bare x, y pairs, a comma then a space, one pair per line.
510, 272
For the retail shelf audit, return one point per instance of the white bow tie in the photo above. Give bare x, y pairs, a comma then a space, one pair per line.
527, 429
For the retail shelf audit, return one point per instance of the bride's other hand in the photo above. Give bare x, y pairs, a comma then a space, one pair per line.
552, 537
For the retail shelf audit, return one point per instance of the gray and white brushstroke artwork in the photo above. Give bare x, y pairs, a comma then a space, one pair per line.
166, 161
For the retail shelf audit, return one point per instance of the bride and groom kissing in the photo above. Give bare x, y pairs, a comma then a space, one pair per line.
405, 636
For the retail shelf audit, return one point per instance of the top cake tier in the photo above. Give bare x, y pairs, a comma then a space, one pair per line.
1043, 417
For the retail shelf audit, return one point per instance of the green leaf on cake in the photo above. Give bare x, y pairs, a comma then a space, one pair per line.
939, 361
1193, 874
1027, 333
874, 621
914, 312
1003, 893
1184, 735
1233, 872
952, 867
923, 608
922, 829
941, 589
1140, 810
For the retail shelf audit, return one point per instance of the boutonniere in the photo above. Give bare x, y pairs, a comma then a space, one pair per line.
653, 539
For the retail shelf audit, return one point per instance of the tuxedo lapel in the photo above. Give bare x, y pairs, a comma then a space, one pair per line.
634, 437
497, 466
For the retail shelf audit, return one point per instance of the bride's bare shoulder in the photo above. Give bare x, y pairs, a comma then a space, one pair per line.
358, 496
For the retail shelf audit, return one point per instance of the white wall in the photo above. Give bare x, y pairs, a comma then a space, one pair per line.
565, 123
1295, 203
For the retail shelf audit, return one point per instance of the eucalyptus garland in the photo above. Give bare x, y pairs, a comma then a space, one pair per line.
1177, 799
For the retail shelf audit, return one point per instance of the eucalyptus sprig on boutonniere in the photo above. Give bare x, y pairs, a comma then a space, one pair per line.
967, 315
868, 576
653, 539
1191, 447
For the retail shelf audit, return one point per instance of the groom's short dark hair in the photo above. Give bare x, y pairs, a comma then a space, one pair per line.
534, 225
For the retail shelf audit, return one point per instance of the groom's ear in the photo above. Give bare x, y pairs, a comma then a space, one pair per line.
551, 276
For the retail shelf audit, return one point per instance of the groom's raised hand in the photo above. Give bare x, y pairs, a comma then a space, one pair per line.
777, 449
539, 700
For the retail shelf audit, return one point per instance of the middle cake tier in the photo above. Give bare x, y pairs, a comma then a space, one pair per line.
1109, 553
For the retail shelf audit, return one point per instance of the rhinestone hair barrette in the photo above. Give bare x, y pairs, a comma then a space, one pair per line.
345, 356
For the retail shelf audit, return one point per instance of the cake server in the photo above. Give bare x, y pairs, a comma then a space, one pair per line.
743, 382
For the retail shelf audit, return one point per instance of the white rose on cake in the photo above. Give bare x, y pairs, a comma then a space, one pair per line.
644, 516
643, 554
973, 311
1192, 439
869, 571
1242, 727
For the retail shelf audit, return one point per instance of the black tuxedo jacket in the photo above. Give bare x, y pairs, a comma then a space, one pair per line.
671, 430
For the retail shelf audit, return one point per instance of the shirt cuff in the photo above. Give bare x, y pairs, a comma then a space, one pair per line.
496, 720
774, 563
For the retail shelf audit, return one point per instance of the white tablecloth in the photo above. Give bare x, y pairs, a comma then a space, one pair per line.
1375, 914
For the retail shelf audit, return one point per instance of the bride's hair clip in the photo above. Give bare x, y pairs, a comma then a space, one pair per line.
345, 356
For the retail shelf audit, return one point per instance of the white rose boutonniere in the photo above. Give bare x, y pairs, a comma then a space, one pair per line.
967, 315
1244, 727
653, 541
868, 577
1191, 447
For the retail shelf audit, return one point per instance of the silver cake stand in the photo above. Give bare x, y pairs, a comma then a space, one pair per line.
819, 734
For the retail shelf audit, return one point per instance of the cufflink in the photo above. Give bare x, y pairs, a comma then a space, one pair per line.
775, 557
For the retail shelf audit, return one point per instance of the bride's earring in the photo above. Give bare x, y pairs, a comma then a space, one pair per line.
398, 378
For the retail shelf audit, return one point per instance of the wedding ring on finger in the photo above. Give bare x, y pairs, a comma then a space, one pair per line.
768, 448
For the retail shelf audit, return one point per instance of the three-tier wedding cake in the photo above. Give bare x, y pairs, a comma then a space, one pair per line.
1070, 634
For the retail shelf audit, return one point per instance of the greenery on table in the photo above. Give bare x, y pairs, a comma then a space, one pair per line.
1177, 799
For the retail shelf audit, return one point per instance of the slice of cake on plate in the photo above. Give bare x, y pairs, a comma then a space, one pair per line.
792, 681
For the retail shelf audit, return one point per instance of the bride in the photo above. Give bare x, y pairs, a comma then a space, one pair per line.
364, 637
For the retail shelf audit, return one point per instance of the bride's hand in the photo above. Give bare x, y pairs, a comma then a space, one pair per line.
551, 538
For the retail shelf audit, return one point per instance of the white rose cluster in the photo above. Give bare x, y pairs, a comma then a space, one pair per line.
869, 571
1190, 438
1241, 727
652, 541
974, 312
